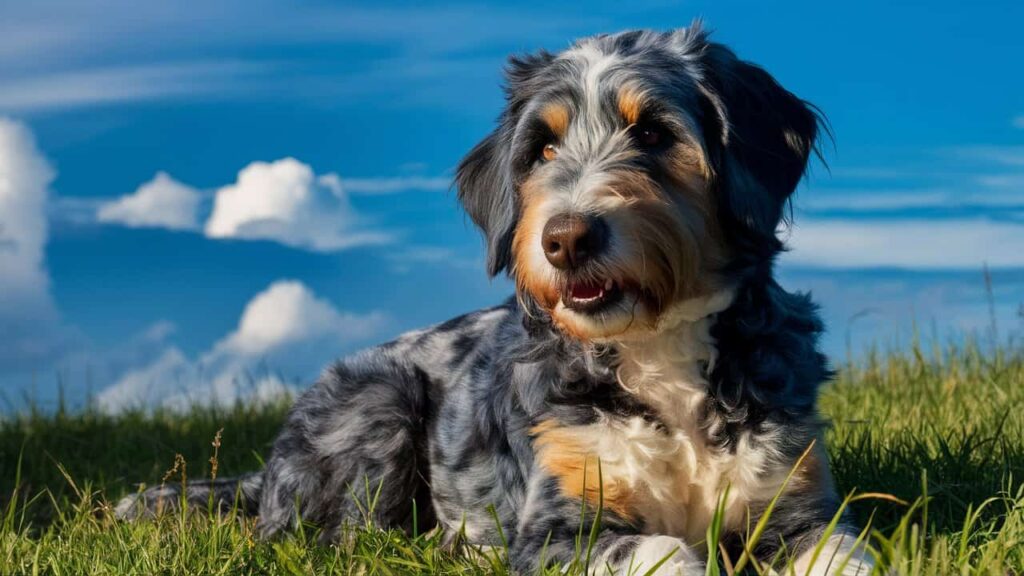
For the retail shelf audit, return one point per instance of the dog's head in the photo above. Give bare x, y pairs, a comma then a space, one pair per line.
633, 172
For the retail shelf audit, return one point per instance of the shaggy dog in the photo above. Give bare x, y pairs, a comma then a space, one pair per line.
649, 367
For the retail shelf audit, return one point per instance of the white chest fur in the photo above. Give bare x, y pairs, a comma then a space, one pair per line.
671, 480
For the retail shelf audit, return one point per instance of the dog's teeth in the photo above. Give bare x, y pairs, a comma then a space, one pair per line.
608, 284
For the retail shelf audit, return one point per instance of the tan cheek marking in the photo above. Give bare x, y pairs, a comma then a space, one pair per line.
556, 116
563, 455
528, 230
528, 280
630, 105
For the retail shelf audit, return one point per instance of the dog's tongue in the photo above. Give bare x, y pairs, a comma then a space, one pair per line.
586, 291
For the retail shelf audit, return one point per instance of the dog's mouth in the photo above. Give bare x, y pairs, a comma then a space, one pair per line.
590, 296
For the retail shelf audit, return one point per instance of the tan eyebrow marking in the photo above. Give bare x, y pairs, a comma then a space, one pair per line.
556, 116
631, 104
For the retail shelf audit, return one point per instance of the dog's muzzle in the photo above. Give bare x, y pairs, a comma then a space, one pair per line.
570, 240
570, 243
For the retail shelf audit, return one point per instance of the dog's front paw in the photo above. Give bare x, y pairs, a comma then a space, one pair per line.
676, 558
840, 555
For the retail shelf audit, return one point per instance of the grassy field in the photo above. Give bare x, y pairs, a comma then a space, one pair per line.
938, 433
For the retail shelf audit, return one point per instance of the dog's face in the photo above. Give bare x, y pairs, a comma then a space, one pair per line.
632, 173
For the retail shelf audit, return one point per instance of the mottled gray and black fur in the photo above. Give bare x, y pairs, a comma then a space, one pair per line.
445, 417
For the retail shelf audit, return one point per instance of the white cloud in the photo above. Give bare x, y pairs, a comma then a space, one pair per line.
284, 331
411, 258
371, 186
163, 202
870, 200
881, 308
908, 243
73, 54
1018, 122
282, 201
1005, 155
286, 202
872, 173
995, 191
1004, 187
120, 84
133, 389
29, 320
287, 313
75, 209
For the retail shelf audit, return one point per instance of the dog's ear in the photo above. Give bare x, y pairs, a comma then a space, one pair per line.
486, 193
485, 178
760, 137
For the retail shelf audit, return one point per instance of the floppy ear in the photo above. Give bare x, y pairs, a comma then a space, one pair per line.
486, 193
485, 178
763, 136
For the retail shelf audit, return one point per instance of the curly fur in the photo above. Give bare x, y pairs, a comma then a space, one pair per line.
704, 378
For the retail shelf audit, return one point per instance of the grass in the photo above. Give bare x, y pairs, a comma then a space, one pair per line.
938, 433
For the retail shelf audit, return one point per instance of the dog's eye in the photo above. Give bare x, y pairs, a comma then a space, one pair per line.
550, 152
651, 136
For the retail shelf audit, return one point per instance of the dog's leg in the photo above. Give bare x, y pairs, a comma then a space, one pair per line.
549, 532
352, 450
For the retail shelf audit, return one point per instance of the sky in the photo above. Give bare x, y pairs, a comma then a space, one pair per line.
205, 201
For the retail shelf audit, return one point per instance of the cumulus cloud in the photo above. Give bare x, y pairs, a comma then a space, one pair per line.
288, 313
282, 201
906, 243
28, 318
286, 202
163, 202
134, 388
285, 332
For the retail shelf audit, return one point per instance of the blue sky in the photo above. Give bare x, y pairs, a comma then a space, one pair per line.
134, 262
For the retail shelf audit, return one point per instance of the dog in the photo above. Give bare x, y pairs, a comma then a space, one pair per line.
649, 376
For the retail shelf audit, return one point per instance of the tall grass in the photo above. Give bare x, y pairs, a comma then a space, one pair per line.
937, 435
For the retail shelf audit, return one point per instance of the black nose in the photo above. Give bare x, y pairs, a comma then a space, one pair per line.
569, 240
